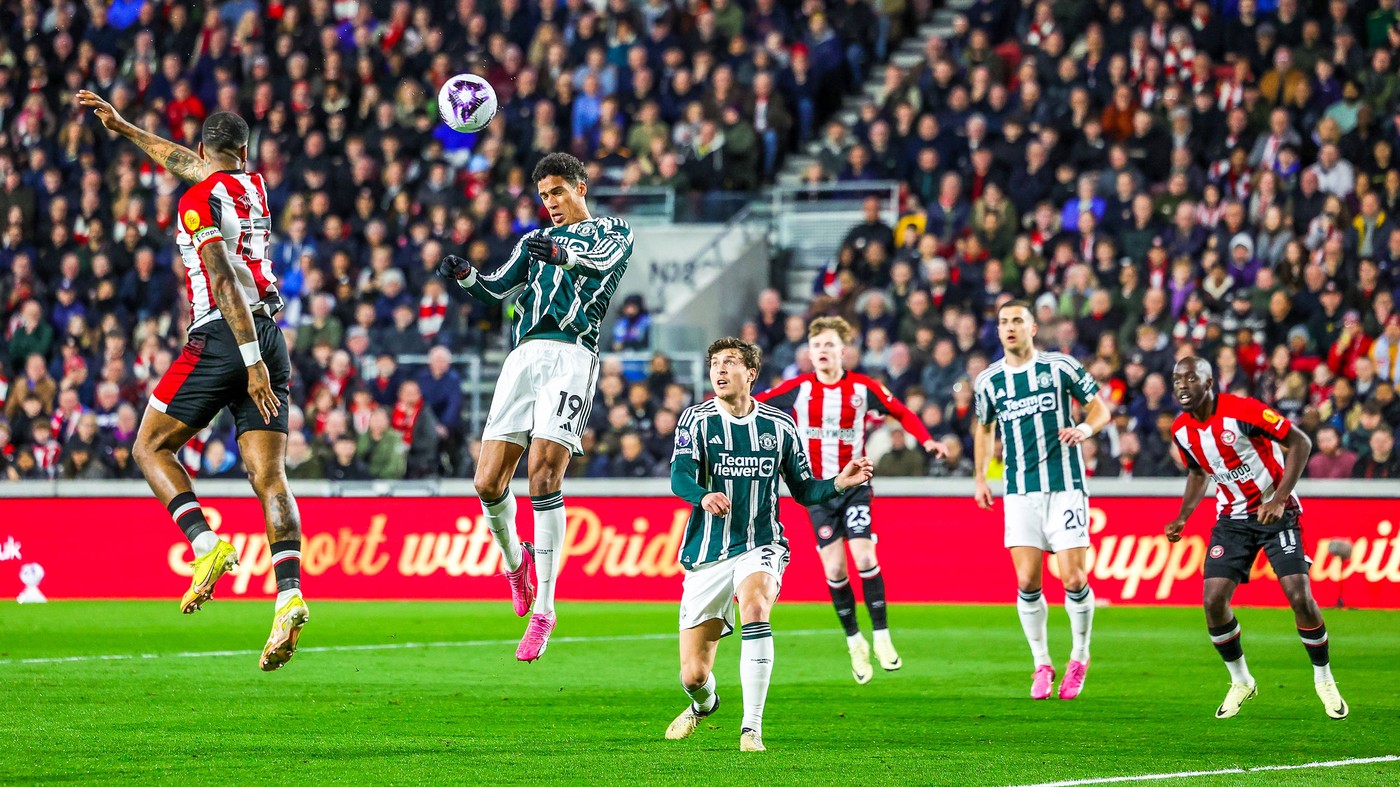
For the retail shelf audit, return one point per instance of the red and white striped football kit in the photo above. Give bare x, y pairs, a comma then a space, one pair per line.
1239, 446
831, 418
210, 375
230, 206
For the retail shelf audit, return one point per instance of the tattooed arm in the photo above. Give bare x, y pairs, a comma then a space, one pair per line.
180, 160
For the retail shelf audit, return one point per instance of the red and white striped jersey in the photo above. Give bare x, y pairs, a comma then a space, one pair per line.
831, 418
1239, 447
228, 206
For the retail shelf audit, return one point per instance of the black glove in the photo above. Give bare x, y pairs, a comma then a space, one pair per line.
454, 268
544, 250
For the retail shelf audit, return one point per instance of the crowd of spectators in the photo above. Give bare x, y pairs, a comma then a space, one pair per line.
367, 189
1158, 179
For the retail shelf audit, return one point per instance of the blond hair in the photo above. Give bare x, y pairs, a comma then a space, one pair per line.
843, 329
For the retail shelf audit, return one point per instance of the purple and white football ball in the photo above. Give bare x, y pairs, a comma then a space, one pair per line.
467, 103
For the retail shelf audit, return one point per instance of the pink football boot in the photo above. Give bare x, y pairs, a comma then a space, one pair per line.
1074, 679
522, 590
536, 637
1043, 682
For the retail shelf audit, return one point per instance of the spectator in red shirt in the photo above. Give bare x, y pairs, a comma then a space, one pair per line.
184, 104
1331, 459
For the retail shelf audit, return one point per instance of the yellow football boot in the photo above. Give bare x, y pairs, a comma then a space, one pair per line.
286, 629
207, 571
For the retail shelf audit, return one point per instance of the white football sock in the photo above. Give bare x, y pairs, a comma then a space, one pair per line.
1034, 612
550, 522
704, 696
500, 517
1322, 673
854, 640
204, 543
1081, 623
1239, 672
882, 637
286, 595
755, 671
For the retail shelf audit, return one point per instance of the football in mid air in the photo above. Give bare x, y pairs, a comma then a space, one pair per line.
467, 102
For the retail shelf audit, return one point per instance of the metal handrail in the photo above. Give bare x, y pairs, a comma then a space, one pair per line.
666, 196
471, 379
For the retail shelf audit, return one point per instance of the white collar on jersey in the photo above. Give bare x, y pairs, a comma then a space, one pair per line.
734, 419
1035, 356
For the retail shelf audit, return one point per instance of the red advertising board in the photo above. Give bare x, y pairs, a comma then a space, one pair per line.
932, 550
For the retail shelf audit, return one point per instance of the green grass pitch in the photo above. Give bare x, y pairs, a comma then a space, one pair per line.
593, 710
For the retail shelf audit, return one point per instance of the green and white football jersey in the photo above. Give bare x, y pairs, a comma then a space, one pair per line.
1032, 404
559, 303
743, 458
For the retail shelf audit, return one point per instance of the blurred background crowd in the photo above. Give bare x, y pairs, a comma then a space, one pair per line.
1157, 177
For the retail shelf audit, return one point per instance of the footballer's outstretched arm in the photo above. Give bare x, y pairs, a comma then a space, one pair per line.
178, 159
496, 286
782, 397
907, 418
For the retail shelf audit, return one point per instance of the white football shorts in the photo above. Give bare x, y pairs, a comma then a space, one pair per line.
709, 592
545, 390
1050, 521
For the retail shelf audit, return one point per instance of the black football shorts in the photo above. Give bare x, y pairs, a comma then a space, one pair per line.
1234, 543
209, 376
845, 516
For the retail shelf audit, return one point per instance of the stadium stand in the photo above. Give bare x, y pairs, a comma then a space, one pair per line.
1157, 178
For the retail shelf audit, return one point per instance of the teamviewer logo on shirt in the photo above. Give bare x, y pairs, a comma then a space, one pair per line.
731, 466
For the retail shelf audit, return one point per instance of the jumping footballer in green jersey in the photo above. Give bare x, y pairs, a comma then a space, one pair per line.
729, 453
565, 275
1029, 394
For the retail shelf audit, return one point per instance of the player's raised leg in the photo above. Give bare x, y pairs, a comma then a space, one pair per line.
499, 459
757, 593
157, 440
843, 598
1034, 612
873, 588
264, 454
1079, 603
1313, 632
698, 646
1225, 635
548, 462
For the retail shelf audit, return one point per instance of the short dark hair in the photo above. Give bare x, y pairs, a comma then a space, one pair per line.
1016, 303
563, 165
750, 353
225, 132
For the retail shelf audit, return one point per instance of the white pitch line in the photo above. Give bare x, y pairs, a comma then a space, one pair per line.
1222, 772
204, 654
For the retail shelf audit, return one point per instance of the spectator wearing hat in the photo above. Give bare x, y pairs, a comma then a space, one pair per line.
632, 330
1326, 324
